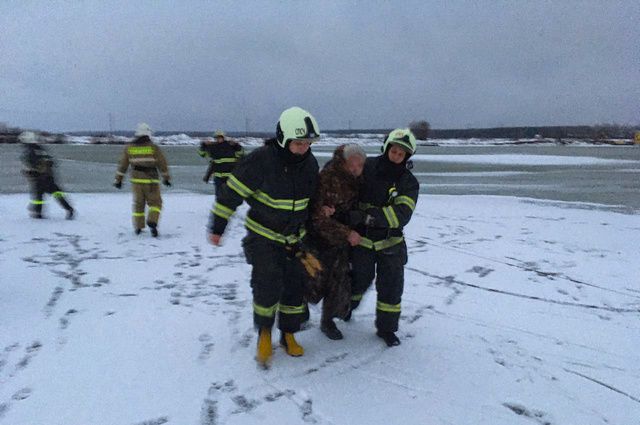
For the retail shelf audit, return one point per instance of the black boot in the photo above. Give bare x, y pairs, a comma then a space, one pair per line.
329, 328
70, 213
354, 305
347, 317
154, 229
137, 231
389, 338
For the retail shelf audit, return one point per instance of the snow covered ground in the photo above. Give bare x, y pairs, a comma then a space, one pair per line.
515, 311
363, 139
510, 159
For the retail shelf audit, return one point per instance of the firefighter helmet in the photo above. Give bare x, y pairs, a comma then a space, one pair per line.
296, 123
143, 129
219, 133
402, 137
28, 137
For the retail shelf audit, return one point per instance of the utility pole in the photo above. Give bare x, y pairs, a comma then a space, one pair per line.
349, 125
111, 123
246, 126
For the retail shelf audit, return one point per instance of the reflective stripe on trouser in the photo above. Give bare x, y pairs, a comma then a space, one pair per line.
42, 185
389, 265
146, 194
277, 285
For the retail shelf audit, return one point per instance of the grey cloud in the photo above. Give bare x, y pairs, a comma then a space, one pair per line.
203, 65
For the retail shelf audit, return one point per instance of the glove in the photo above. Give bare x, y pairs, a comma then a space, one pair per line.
166, 182
205, 179
369, 219
310, 262
117, 185
360, 218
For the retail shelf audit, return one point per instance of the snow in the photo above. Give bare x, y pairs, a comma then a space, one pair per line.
363, 139
515, 159
515, 311
511, 159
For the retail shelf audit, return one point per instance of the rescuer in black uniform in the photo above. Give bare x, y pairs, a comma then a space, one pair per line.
223, 155
387, 200
276, 180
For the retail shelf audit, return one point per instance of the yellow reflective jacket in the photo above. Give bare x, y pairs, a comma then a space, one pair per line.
145, 159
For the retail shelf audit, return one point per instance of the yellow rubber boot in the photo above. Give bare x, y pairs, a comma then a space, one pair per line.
264, 351
290, 344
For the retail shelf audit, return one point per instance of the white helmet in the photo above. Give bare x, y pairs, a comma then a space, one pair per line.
296, 123
28, 137
402, 137
219, 133
143, 129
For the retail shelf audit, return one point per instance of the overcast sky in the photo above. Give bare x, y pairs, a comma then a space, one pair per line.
200, 65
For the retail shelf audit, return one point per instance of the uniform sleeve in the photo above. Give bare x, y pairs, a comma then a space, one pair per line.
161, 163
202, 150
239, 150
245, 179
328, 228
210, 169
122, 165
399, 212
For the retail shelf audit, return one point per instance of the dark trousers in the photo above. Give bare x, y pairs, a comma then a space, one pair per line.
387, 267
42, 185
219, 182
277, 281
333, 285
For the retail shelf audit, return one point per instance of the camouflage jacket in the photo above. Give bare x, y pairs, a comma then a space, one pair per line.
337, 188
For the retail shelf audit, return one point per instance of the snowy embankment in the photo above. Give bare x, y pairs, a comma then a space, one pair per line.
515, 312
364, 139
510, 159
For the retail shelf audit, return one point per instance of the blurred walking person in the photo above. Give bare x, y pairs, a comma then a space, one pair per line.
38, 168
145, 158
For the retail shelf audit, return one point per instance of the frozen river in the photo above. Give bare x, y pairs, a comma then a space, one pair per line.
602, 175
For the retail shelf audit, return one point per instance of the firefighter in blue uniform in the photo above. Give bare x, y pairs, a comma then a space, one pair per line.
387, 200
223, 155
276, 180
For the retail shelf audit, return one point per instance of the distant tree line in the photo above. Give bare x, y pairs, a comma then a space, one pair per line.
599, 132
421, 128
423, 131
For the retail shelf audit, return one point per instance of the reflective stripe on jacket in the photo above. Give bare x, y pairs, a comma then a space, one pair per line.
390, 201
145, 159
223, 157
277, 192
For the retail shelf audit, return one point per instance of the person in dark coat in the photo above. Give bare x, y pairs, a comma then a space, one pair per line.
387, 200
277, 181
223, 155
38, 168
331, 236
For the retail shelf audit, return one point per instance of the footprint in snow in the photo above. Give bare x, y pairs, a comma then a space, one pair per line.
22, 394
159, 421
535, 415
207, 347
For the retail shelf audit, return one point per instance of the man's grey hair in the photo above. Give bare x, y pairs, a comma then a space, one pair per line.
351, 150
